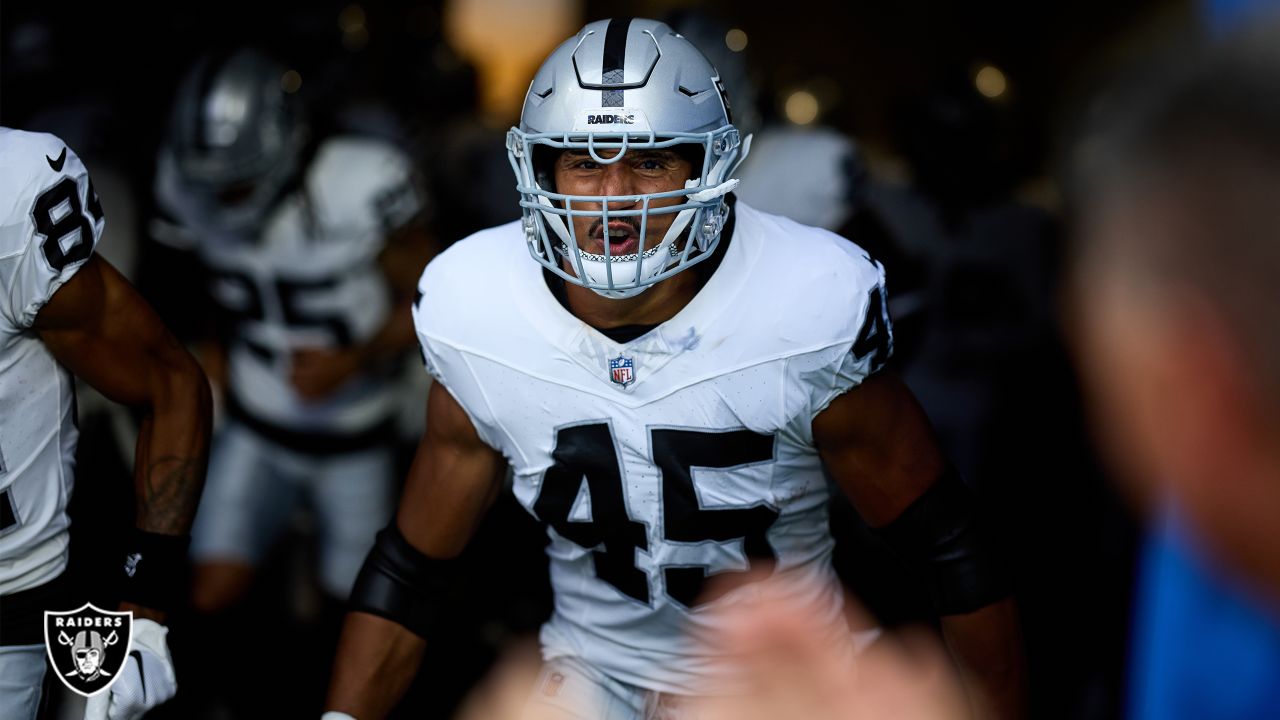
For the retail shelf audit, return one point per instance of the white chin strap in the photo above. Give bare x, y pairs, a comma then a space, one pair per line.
654, 260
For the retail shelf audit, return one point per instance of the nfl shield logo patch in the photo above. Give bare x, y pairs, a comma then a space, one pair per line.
88, 646
622, 370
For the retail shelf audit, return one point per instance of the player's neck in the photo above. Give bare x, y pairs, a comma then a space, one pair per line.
651, 307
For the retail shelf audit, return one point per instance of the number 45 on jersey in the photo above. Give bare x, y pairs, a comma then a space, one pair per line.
588, 453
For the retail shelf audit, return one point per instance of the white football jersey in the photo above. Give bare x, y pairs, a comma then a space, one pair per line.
51, 222
309, 279
684, 453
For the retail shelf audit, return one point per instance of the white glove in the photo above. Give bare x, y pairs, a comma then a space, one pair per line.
335, 715
145, 681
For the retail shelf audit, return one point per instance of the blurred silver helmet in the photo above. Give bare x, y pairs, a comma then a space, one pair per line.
813, 175
236, 136
621, 85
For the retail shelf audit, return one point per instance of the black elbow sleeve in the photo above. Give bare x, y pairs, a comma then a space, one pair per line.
403, 585
945, 530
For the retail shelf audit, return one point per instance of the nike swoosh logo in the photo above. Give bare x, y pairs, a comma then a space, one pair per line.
57, 164
137, 656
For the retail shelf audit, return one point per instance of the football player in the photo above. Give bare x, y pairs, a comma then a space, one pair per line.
64, 311
312, 248
668, 381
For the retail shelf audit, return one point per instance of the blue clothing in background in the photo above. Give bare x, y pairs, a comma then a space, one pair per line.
1203, 648
1227, 15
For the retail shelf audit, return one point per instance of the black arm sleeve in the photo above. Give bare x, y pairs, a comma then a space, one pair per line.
403, 585
944, 529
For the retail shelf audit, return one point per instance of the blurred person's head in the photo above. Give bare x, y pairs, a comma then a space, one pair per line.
623, 157
1176, 298
236, 134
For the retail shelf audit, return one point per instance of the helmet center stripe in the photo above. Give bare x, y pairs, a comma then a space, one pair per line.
615, 59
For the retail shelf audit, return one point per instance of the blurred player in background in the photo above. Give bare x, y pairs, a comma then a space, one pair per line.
1176, 311
64, 311
818, 176
668, 381
311, 246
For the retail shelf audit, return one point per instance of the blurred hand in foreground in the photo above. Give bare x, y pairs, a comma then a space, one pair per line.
785, 658
789, 661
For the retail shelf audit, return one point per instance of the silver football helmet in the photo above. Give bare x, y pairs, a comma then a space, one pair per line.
621, 85
236, 136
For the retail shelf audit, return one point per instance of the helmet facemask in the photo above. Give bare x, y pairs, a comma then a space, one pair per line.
623, 86
692, 236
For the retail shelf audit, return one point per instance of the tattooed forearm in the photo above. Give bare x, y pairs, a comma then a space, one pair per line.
172, 450
168, 491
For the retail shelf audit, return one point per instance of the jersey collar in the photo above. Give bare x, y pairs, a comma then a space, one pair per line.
652, 350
